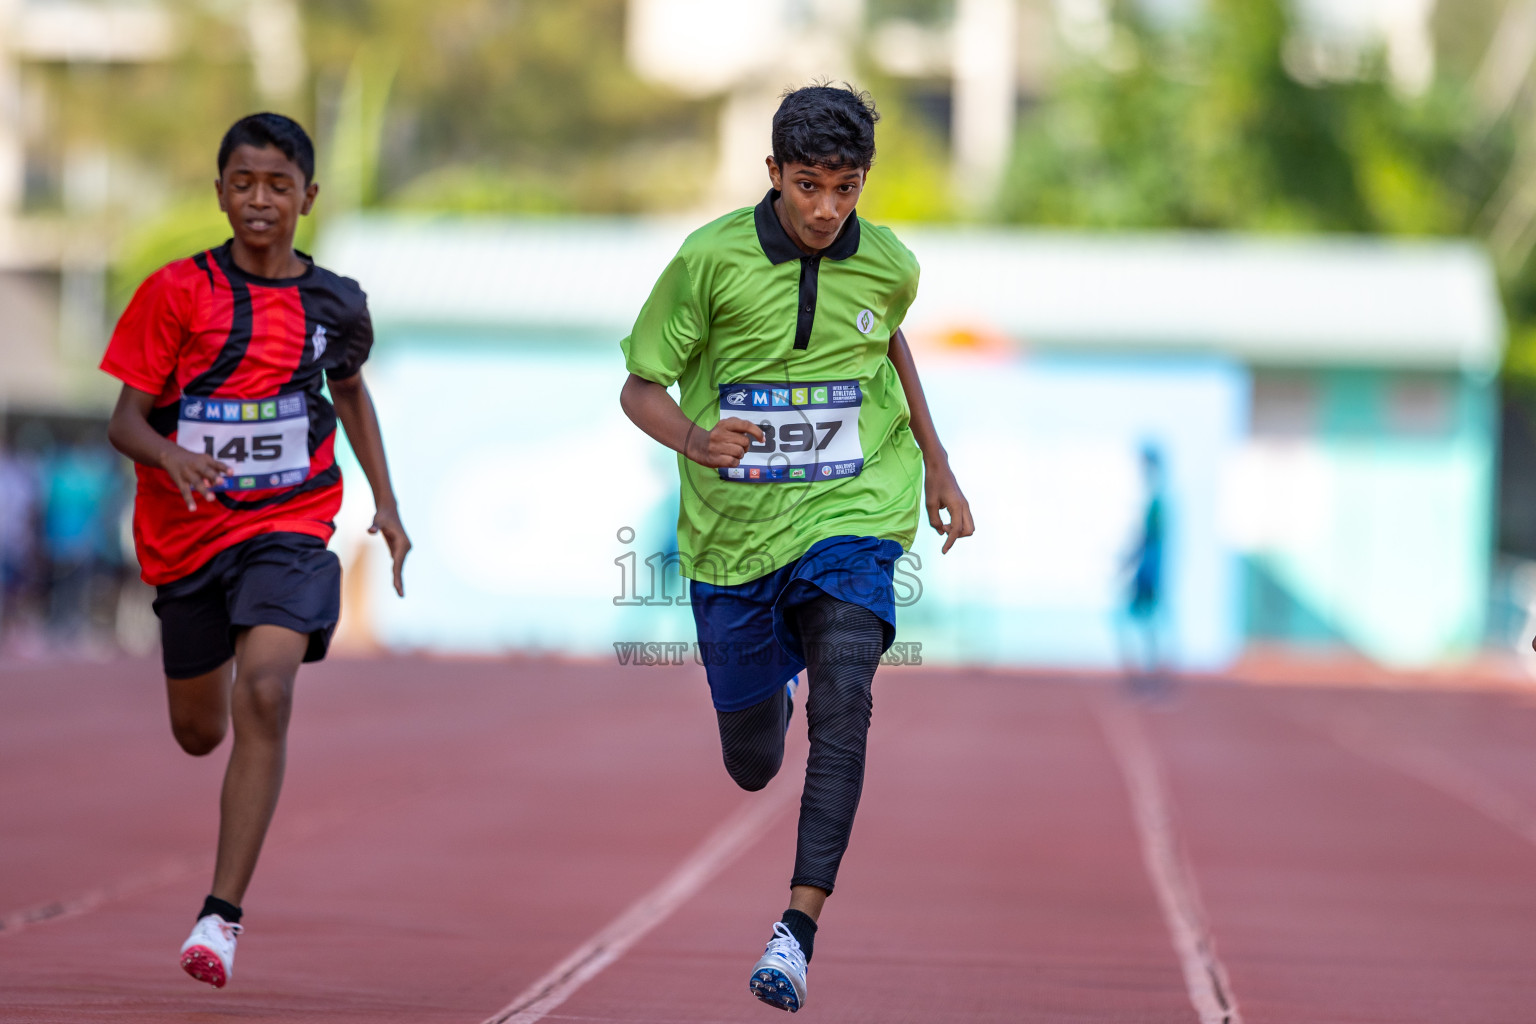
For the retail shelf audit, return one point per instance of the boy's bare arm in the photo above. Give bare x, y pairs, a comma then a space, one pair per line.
651, 408
130, 433
923, 430
941, 489
354, 407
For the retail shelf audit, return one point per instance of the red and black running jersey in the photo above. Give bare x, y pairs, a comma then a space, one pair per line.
203, 329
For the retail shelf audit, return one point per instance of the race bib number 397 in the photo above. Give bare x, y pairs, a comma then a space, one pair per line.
810, 431
264, 442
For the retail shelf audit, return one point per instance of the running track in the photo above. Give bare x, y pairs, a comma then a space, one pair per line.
527, 840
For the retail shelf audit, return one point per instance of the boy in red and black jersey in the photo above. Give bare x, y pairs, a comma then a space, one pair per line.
223, 358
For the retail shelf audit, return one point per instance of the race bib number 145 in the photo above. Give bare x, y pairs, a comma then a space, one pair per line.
810, 431
264, 442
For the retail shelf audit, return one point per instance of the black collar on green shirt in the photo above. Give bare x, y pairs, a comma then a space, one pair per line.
778, 246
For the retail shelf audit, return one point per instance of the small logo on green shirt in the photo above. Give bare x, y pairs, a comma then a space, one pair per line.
865, 321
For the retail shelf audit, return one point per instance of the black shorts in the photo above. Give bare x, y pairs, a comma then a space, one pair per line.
273, 579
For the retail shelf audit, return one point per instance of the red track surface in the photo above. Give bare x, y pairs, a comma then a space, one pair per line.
450, 831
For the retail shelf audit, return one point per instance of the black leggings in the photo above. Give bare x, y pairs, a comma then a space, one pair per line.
843, 643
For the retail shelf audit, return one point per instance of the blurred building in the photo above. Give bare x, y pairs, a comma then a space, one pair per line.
1325, 410
971, 62
53, 254
69, 190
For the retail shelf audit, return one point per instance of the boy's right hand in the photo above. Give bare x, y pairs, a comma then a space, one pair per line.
192, 471
723, 446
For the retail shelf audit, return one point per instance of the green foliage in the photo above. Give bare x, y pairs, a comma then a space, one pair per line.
922, 11
166, 117
529, 106
188, 225
350, 159
454, 106
1217, 125
1463, 30
1205, 127
910, 180
486, 189
539, 89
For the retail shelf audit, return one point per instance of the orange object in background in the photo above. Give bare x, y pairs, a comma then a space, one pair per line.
966, 341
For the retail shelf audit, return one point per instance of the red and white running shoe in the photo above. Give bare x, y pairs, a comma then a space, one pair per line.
209, 952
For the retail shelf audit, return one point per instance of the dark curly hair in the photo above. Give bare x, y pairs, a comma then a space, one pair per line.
822, 125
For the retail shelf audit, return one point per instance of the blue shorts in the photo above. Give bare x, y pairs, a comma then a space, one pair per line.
747, 633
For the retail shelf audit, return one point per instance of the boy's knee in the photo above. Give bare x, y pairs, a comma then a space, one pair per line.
268, 696
198, 737
752, 778
752, 770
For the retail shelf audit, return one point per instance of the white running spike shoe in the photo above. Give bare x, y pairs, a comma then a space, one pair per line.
209, 952
779, 977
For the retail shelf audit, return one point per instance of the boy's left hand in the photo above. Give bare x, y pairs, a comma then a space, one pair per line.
387, 522
942, 491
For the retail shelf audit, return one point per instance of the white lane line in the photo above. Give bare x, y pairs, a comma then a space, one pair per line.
1206, 979
302, 827
734, 836
166, 873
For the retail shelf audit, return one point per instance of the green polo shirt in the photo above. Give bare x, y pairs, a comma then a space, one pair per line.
744, 322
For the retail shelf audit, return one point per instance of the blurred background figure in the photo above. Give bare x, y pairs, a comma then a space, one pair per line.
62, 498
18, 541
1142, 653
81, 503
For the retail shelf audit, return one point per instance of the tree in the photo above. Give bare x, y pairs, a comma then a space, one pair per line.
1212, 125
458, 105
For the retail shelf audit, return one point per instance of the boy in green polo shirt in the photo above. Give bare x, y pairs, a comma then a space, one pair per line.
805, 449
